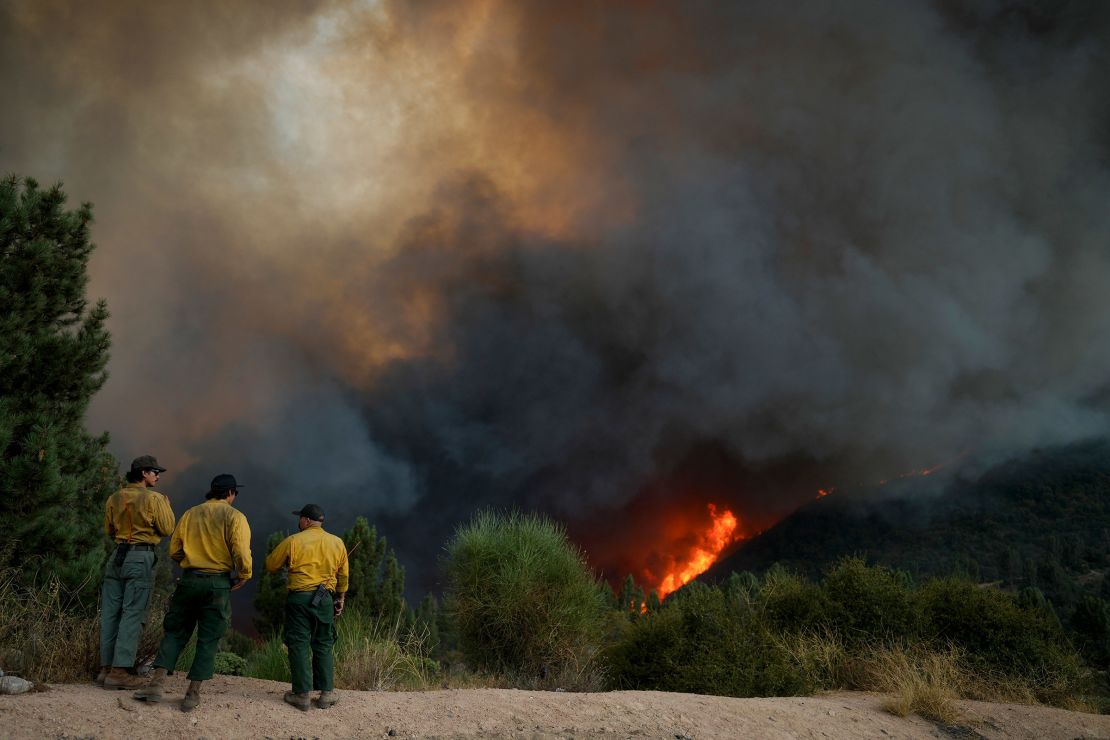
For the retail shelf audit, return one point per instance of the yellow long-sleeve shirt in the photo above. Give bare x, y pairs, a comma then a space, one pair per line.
213, 537
313, 556
138, 515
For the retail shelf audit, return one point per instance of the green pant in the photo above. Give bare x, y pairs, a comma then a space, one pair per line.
203, 601
310, 636
124, 598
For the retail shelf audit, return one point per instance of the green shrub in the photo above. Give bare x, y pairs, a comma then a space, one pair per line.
866, 603
792, 603
699, 643
230, 664
521, 597
993, 631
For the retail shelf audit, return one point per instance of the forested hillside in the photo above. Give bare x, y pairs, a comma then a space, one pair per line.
1040, 521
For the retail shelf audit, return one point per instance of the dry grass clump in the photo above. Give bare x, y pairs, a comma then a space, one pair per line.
43, 635
922, 682
926, 680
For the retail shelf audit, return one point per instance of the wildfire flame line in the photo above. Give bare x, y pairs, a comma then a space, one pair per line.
822, 492
720, 535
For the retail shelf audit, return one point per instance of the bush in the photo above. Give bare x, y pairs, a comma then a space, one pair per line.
792, 603
230, 664
522, 598
867, 603
699, 643
994, 632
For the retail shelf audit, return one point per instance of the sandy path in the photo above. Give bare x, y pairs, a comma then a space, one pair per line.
252, 708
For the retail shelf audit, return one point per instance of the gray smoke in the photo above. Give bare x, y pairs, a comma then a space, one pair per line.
603, 260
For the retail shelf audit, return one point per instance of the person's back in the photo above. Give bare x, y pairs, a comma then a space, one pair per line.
210, 537
315, 557
317, 591
136, 514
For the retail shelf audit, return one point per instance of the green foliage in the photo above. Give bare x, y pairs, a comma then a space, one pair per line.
521, 596
269, 660
236, 642
426, 618
869, 602
791, 602
701, 643
269, 600
377, 581
1091, 622
992, 629
230, 664
54, 476
789, 635
377, 654
631, 597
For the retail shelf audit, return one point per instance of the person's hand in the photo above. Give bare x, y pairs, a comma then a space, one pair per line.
340, 602
238, 584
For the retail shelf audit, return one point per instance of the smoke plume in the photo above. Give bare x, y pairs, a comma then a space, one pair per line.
608, 260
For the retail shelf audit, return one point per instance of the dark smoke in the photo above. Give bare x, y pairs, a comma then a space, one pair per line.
609, 260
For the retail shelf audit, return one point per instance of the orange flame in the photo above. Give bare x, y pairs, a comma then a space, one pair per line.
720, 535
921, 472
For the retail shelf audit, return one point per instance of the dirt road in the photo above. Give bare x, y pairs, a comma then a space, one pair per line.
252, 708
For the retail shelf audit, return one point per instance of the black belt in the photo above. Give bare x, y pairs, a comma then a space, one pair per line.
122, 548
205, 574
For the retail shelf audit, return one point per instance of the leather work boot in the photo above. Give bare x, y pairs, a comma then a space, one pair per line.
326, 699
104, 671
192, 697
300, 701
152, 692
120, 679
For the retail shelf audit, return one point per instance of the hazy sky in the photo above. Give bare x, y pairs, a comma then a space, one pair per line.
613, 261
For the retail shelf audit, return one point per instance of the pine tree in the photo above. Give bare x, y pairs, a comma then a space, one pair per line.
54, 476
269, 602
365, 555
377, 580
392, 589
631, 597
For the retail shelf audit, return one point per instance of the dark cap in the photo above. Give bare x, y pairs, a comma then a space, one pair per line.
225, 482
311, 511
146, 462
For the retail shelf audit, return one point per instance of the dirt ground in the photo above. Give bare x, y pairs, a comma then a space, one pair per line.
252, 708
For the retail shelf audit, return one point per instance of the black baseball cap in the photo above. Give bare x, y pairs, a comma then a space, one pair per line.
147, 462
225, 482
311, 511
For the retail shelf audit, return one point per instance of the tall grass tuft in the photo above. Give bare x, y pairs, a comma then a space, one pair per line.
381, 655
523, 599
270, 660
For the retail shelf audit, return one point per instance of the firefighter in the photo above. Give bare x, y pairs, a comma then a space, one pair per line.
212, 546
136, 517
318, 571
